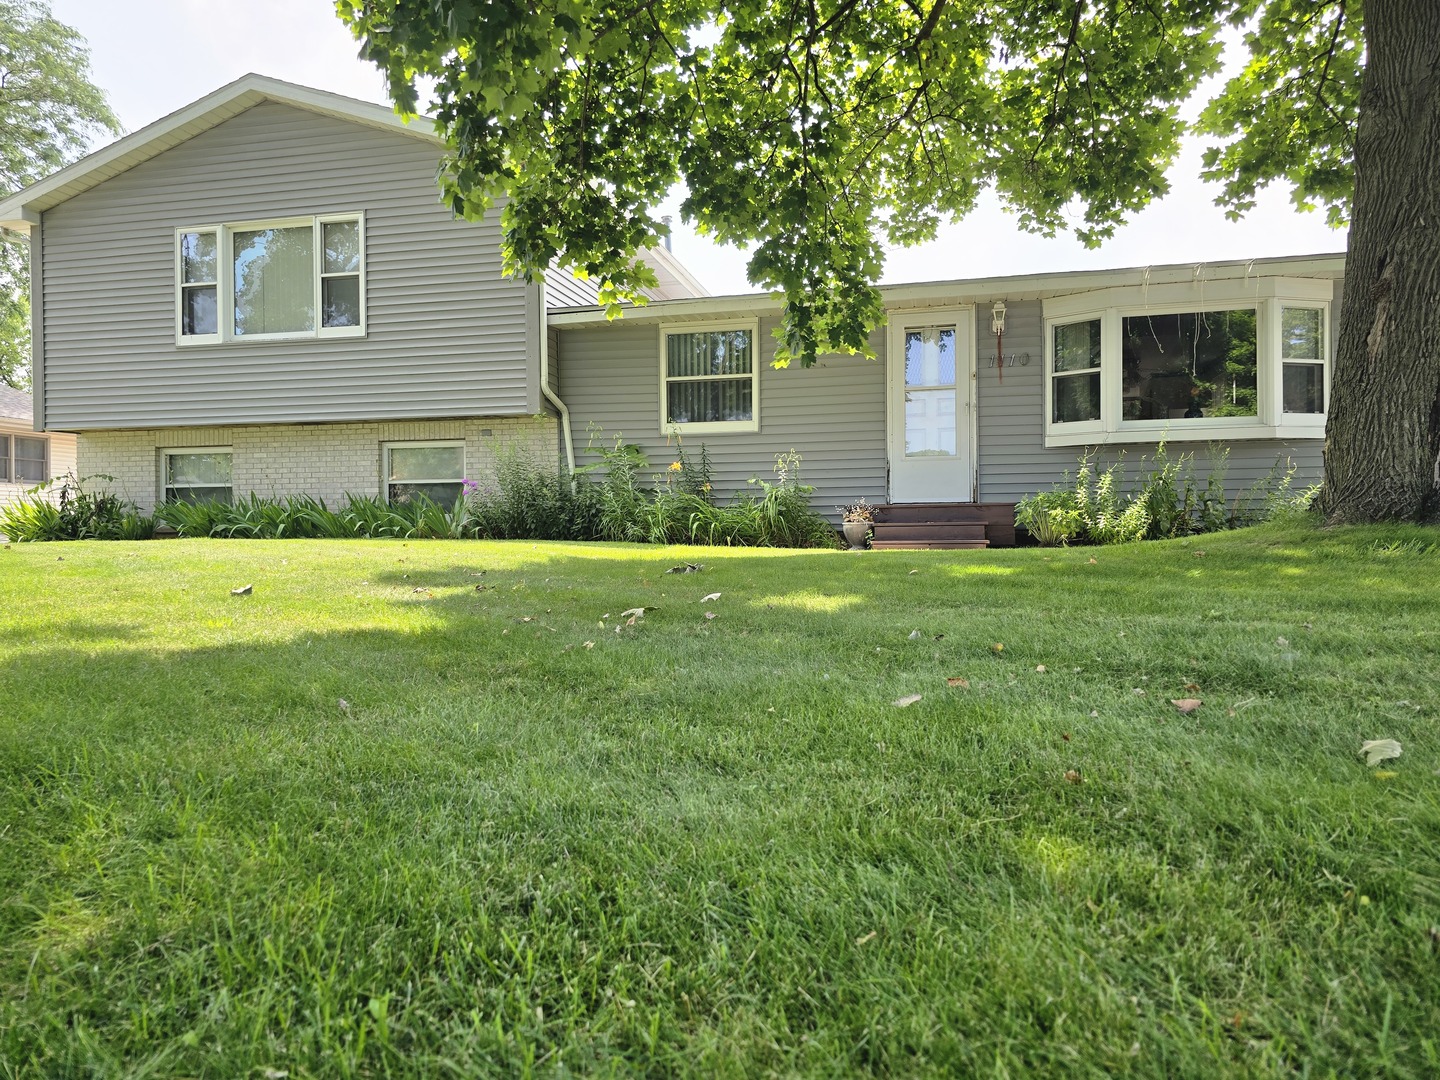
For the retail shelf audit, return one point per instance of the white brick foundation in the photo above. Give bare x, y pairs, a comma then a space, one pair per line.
327, 461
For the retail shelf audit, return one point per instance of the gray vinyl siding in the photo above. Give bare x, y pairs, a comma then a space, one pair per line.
1013, 460
833, 414
447, 334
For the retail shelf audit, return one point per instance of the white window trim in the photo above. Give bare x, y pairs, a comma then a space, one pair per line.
1266, 296
11, 476
421, 444
225, 281
713, 427
167, 452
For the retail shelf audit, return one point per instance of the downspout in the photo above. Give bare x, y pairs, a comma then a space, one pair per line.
550, 394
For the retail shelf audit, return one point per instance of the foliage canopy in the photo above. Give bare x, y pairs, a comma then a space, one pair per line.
49, 112
813, 130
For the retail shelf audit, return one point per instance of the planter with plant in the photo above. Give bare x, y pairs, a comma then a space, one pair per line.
855, 521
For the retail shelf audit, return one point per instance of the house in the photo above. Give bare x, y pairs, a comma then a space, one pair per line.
28, 457
263, 293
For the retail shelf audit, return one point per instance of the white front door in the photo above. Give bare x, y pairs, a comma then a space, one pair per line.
931, 428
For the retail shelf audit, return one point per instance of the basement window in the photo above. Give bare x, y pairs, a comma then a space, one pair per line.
431, 470
198, 474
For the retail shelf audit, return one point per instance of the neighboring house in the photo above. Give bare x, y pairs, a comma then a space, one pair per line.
28, 457
263, 293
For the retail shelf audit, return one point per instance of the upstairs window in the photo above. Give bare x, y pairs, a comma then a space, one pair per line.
252, 281
709, 378
23, 459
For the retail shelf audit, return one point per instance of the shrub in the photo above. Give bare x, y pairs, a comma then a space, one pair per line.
1095, 508
75, 514
529, 499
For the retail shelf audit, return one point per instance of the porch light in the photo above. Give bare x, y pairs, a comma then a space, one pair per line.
997, 317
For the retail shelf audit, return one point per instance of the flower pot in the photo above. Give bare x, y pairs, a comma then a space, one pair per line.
856, 532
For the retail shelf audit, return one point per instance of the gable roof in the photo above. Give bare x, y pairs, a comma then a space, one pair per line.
14, 404
21, 210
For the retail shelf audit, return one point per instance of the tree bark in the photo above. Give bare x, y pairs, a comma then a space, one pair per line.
1382, 438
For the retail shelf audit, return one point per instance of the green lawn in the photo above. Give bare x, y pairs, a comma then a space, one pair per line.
715, 846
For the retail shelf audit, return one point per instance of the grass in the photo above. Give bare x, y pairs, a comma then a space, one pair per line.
714, 846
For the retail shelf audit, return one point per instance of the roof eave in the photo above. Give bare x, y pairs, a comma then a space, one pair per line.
974, 290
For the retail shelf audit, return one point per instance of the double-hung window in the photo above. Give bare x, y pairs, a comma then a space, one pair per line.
1213, 360
23, 459
198, 474
431, 470
294, 278
709, 377
1302, 357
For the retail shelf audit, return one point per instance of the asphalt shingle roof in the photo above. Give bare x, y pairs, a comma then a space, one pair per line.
14, 404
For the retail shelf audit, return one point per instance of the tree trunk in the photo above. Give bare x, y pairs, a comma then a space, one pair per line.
1382, 440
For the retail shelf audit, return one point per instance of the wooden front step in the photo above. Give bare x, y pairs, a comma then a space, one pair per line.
944, 525
929, 530
927, 545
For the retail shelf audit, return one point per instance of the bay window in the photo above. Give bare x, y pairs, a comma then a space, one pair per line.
1187, 362
296, 278
1302, 355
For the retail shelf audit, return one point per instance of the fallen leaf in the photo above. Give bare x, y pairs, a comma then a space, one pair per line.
707, 599
1040, 668
634, 612
998, 647
589, 644
1065, 735
1378, 750
481, 588
1094, 562
1094, 714
871, 935
686, 568
1138, 692
915, 635
526, 618
1192, 686
244, 590
1186, 705
963, 684
904, 702
1282, 642
907, 575
344, 705
1074, 777
1198, 554
711, 615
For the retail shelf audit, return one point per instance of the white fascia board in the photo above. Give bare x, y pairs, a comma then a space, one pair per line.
981, 290
199, 116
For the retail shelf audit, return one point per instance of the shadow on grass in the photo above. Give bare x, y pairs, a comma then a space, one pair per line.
715, 845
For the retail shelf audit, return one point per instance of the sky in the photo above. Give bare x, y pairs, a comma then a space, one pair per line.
155, 56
